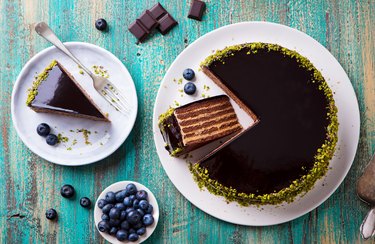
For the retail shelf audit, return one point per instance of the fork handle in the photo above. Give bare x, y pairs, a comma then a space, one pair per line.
44, 31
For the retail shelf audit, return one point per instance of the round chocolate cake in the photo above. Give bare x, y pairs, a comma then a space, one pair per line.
291, 146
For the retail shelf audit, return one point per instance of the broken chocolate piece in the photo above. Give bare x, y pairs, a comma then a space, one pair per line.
148, 21
138, 30
167, 22
158, 11
196, 10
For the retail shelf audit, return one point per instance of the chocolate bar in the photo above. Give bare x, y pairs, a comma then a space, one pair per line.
158, 11
148, 20
138, 30
196, 10
167, 22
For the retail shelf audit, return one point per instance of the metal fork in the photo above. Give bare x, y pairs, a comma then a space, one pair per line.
102, 85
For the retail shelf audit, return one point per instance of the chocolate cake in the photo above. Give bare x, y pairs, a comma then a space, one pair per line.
195, 124
290, 148
56, 91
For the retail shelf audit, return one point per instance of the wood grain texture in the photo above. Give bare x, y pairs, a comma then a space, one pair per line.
30, 185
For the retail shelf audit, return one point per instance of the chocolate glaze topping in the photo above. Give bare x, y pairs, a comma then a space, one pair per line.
293, 121
59, 92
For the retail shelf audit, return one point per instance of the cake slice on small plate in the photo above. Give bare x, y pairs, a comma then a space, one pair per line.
56, 91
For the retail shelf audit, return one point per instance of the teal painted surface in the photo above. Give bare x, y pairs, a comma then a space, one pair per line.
30, 185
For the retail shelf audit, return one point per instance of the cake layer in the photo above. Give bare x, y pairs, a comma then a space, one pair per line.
196, 124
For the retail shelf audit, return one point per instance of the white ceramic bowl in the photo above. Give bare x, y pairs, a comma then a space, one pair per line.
120, 186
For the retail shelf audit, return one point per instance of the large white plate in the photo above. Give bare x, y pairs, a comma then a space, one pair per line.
105, 137
345, 98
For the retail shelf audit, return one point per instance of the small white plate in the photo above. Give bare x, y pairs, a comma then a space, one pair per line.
105, 137
345, 98
118, 186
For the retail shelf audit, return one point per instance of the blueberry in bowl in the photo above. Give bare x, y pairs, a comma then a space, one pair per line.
126, 212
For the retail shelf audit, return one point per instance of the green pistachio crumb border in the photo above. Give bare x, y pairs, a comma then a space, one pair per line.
322, 158
33, 91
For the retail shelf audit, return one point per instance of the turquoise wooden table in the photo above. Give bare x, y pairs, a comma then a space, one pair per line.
30, 185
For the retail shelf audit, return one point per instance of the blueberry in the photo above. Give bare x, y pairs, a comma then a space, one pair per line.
120, 195
107, 208
85, 202
143, 204
113, 231
67, 191
120, 206
148, 219
131, 189
129, 210
137, 225
188, 74
103, 226
132, 197
136, 204
133, 217
140, 211
123, 215
114, 213
122, 235
131, 230
43, 129
51, 214
149, 209
125, 225
101, 203
128, 202
141, 195
110, 197
133, 237
114, 222
52, 139
141, 231
190, 88
101, 24
105, 217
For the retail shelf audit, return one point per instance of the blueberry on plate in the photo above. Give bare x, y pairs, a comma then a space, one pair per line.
105, 217
120, 195
125, 225
143, 204
114, 222
101, 203
51, 214
101, 24
113, 231
120, 206
107, 208
141, 195
190, 88
149, 209
131, 189
131, 230
133, 217
85, 202
137, 225
52, 139
103, 226
110, 197
148, 219
114, 213
136, 204
129, 210
127, 202
122, 235
132, 197
67, 191
141, 231
133, 237
188, 74
123, 215
43, 129
140, 211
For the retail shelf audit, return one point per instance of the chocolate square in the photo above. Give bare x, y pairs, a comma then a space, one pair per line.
196, 10
147, 20
167, 22
158, 11
138, 30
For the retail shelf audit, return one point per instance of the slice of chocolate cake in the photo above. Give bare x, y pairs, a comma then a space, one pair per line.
56, 91
196, 124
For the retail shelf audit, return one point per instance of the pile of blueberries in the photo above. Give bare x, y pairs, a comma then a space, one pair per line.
126, 213
44, 130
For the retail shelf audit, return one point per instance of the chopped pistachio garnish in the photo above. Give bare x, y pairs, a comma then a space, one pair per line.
61, 138
179, 81
165, 115
33, 91
99, 70
176, 151
86, 134
323, 155
176, 103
